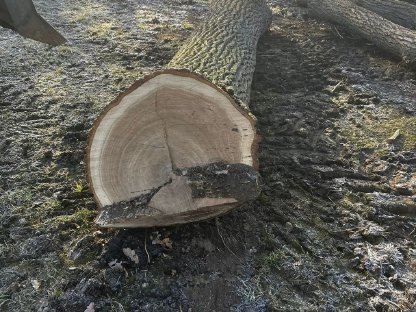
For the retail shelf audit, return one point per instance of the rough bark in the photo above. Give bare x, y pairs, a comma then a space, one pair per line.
180, 145
399, 12
223, 49
385, 34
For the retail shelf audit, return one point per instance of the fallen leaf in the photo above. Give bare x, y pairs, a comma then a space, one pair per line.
166, 242
131, 254
35, 284
394, 136
90, 308
115, 265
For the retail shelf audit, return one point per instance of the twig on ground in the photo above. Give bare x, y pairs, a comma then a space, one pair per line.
222, 238
336, 29
145, 247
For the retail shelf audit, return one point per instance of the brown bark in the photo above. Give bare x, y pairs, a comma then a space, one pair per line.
393, 38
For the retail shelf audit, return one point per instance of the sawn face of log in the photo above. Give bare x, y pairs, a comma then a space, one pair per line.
153, 152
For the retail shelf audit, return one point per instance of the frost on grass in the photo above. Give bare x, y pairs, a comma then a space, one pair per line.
251, 294
381, 259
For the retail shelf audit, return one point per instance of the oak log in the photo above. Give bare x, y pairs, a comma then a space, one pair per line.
396, 11
180, 145
22, 17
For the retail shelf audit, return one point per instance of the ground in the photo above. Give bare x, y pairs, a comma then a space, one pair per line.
333, 230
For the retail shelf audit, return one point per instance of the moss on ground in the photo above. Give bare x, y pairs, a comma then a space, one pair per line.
51, 84
86, 13
379, 129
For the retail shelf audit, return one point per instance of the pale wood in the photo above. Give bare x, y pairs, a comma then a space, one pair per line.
165, 128
173, 121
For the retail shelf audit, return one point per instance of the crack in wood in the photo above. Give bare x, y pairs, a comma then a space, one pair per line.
165, 132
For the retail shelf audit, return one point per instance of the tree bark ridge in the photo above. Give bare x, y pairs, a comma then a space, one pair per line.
223, 48
180, 145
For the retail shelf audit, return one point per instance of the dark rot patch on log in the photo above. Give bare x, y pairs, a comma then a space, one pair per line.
221, 185
237, 181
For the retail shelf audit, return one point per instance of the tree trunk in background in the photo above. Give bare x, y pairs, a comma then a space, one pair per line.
176, 147
387, 35
399, 12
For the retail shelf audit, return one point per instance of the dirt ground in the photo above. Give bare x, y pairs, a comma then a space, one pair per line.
333, 230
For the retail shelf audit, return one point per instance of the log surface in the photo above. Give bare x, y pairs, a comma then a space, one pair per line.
223, 48
399, 12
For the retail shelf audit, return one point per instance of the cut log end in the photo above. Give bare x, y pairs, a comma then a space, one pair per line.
158, 155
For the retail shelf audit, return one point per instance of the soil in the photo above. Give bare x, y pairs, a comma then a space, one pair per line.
333, 229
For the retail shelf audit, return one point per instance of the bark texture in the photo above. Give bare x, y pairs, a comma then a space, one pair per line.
385, 34
399, 12
223, 49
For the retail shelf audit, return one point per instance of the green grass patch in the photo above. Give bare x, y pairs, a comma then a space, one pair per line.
273, 260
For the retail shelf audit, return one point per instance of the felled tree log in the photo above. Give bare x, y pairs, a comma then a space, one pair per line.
393, 38
399, 12
180, 145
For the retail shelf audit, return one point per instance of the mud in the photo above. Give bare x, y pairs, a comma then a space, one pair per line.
333, 230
